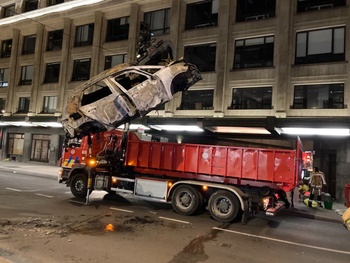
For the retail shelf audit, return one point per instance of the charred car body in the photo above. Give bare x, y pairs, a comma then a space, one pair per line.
123, 93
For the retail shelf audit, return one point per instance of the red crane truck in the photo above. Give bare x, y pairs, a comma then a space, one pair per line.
230, 181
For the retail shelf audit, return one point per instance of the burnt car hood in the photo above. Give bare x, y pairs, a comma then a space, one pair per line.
123, 93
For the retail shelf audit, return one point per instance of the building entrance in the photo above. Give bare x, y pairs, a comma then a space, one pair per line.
40, 147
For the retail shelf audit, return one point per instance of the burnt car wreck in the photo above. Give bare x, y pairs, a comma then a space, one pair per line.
123, 93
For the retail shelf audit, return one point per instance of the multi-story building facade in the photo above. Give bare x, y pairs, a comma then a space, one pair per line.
266, 65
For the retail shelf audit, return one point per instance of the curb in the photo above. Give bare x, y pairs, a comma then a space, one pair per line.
315, 217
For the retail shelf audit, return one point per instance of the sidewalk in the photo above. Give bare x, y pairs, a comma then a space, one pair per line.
299, 209
32, 168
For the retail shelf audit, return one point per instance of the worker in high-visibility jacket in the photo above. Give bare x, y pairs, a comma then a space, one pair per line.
317, 183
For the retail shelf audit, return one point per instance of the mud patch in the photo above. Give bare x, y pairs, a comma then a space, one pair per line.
62, 227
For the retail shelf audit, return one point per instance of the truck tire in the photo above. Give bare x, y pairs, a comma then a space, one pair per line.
186, 200
223, 206
78, 185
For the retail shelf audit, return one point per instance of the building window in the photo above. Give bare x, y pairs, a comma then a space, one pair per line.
254, 52
197, 100
158, 21
9, 10
251, 98
81, 69
4, 77
52, 72
322, 96
30, 5
2, 105
309, 5
248, 10
203, 56
15, 144
317, 46
117, 29
26, 75
40, 147
6, 46
50, 104
54, 40
54, 2
23, 105
112, 61
28, 44
202, 14
84, 35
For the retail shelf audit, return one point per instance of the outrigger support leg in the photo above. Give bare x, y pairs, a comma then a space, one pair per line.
89, 187
89, 181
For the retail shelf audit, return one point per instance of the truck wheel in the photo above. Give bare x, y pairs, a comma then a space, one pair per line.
185, 200
78, 185
223, 206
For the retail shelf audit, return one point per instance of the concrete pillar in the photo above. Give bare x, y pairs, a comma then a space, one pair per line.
175, 29
176, 15
65, 60
221, 56
347, 57
283, 55
134, 24
97, 43
27, 145
12, 72
54, 155
42, 4
33, 107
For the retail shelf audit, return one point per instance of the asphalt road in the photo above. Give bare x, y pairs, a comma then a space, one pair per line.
40, 221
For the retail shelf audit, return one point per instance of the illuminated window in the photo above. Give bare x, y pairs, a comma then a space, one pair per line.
322, 96
4, 77
2, 105
197, 100
318, 46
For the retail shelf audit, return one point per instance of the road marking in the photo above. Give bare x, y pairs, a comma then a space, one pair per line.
283, 241
175, 220
13, 189
48, 196
122, 210
78, 202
